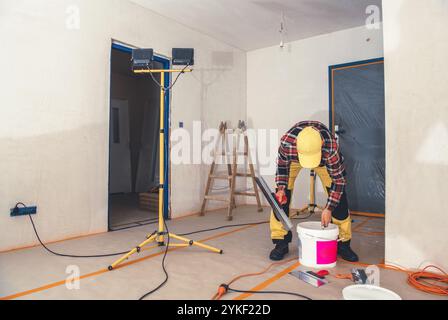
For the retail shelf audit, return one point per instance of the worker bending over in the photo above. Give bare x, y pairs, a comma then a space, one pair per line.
311, 145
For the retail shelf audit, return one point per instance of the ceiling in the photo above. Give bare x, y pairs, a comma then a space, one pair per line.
253, 24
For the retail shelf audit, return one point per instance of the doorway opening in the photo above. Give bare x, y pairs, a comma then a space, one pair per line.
134, 144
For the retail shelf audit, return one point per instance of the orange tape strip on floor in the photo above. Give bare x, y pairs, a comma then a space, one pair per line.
103, 271
373, 234
366, 214
362, 224
268, 282
357, 229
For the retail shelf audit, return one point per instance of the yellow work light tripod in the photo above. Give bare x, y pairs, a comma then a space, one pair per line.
159, 236
312, 206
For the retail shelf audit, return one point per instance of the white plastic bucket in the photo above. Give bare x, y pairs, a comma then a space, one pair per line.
318, 247
368, 292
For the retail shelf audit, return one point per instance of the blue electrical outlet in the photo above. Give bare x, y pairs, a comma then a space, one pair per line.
18, 212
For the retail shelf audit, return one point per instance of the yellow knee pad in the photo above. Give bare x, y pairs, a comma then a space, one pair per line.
278, 232
345, 228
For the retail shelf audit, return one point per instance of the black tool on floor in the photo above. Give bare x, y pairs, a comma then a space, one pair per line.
360, 276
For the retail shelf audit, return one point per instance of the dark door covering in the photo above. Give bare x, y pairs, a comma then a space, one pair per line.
359, 111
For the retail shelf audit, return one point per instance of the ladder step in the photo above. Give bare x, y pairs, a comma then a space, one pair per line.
228, 154
213, 198
245, 175
218, 177
245, 194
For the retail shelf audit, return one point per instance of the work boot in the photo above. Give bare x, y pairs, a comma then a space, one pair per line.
280, 251
346, 252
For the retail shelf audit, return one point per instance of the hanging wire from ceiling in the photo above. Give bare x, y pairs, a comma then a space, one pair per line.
282, 30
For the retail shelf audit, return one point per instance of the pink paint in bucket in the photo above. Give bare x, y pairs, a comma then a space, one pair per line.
318, 248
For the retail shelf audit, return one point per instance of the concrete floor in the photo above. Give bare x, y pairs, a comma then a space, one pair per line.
194, 273
124, 212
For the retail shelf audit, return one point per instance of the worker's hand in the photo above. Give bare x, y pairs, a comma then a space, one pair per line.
281, 196
326, 218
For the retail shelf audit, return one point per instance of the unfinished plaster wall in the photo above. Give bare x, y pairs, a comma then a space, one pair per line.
416, 51
54, 128
289, 85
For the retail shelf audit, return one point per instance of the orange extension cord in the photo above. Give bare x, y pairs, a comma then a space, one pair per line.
222, 290
430, 282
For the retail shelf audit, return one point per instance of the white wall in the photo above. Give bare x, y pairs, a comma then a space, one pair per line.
416, 51
54, 124
291, 85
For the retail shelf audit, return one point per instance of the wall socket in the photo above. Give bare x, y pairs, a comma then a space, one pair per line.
19, 212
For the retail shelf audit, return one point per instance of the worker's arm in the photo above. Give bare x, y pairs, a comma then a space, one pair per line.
282, 175
336, 170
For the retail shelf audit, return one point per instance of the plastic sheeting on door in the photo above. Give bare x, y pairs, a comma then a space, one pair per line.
359, 107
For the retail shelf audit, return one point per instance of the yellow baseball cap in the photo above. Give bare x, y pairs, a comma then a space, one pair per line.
309, 147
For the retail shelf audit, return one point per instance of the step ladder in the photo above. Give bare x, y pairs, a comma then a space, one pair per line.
230, 155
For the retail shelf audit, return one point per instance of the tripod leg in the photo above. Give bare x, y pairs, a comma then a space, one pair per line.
132, 252
197, 244
312, 205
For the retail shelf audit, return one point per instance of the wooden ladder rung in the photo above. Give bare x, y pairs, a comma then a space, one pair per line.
245, 194
213, 198
218, 177
230, 154
245, 175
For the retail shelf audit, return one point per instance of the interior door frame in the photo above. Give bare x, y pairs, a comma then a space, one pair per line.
331, 73
166, 64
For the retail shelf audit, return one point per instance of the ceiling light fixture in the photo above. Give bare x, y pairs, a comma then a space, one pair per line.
282, 31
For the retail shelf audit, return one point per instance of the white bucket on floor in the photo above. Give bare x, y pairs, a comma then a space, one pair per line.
318, 247
368, 292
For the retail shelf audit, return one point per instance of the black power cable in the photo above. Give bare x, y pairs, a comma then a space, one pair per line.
66, 255
162, 86
306, 217
164, 282
164, 256
125, 252
69, 255
188, 234
271, 292
224, 227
